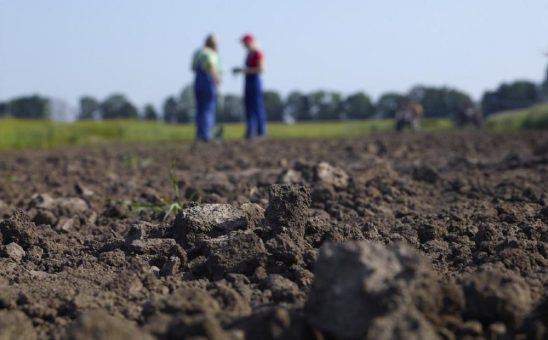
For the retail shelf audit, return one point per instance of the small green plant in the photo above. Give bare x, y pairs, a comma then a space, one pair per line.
169, 207
136, 163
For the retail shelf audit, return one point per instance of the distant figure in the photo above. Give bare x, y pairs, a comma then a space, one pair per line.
471, 114
253, 95
205, 65
409, 114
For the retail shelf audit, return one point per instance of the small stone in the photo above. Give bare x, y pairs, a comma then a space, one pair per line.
135, 287
330, 175
497, 328
290, 176
155, 270
43, 201
72, 206
65, 224
472, 327
14, 252
82, 190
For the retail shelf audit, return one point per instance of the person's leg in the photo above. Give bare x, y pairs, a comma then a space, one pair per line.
209, 117
249, 115
261, 115
200, 113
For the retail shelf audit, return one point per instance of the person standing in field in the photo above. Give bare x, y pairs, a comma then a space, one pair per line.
205, 65
255, 113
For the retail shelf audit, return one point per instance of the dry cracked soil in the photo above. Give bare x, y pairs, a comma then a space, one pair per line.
393, 236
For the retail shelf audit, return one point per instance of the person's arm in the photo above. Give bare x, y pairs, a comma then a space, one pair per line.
254, 70
259, 68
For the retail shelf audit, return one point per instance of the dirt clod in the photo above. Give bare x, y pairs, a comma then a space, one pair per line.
357, 282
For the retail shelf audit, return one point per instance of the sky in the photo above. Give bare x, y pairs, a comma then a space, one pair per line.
142, 48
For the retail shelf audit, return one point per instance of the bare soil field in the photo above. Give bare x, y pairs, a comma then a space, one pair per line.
409, 236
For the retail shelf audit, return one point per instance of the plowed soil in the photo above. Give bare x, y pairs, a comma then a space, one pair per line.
452, 231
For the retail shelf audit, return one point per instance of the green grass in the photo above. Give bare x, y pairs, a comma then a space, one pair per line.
24, 134
535, 117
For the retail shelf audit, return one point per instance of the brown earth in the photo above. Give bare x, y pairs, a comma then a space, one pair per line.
420, 236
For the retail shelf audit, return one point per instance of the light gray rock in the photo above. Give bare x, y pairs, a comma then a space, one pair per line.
72, 206
65, 224
330, 175
209, 220
290, 176
14, 252
42, 201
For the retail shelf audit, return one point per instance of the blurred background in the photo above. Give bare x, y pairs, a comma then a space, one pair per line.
348, 63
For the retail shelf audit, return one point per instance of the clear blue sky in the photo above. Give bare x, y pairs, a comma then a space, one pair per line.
68, 48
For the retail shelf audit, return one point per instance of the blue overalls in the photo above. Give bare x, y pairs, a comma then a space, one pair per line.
255, 114
206, 101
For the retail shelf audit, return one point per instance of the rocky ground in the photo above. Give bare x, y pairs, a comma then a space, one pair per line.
419, 236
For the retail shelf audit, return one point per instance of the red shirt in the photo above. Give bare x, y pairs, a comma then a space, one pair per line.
254, 58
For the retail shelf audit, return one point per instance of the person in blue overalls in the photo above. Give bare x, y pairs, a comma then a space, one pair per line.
205, 65
253, 95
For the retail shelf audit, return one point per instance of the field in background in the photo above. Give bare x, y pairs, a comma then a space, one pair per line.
535, 117
25, 134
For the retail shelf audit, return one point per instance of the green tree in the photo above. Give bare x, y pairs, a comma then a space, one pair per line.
388, 104
440, 102
231, 109
118, 106
3, 109
89, 108
150, 113
274, 106
544, 86
170, 110
31, 107
516, 95
186, 105
358, 106
180, 109
297, 106
325, 105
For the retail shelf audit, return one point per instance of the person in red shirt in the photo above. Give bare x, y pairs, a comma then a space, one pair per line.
253, 93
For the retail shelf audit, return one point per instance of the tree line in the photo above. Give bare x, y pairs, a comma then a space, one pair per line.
442, 102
